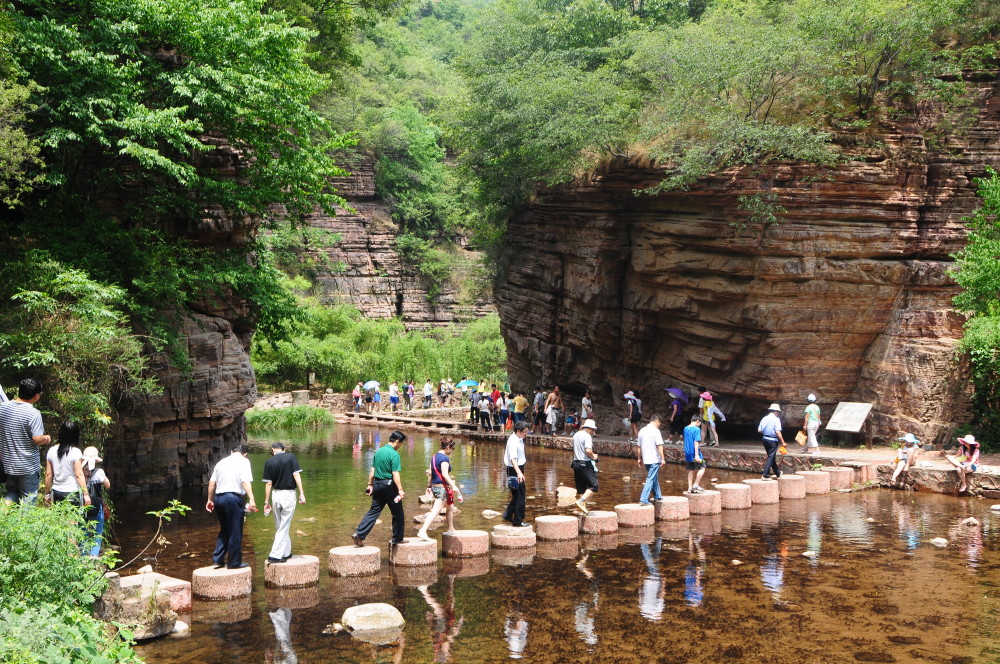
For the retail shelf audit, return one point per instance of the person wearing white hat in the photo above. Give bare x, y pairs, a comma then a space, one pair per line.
770, 431
906, 455
585, 463
97, 482
967, 461
810, 425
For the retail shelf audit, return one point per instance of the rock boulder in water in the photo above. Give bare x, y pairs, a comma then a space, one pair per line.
377, 623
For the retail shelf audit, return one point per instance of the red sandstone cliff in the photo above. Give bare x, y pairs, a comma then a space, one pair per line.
847, 296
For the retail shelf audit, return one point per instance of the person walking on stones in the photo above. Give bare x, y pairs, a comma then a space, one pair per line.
408, 394
231, 479
810, 425
21, 434
64, 468
474, 398
428, 393
770, 431
967, 461
554, 409
356, 395
444, 489
634, 415
906, 455
708, 412
282, 476
513, 461
693, 459
485, 417
538, 407
650, 455
394, 396
585, 463
385, 488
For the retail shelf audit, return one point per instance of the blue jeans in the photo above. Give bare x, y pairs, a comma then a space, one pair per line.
95, 528
23, 488
652, 483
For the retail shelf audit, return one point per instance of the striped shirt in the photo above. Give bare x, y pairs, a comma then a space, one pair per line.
19, 423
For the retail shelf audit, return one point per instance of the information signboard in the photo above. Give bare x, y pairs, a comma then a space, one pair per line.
849, 416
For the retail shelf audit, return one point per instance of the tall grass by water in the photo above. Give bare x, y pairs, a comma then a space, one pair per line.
293, 417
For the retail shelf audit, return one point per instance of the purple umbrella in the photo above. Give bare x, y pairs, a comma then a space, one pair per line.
678, 393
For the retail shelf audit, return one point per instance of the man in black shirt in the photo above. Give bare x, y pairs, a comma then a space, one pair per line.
282, 475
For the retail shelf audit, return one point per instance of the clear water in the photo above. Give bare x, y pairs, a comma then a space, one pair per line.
876, 590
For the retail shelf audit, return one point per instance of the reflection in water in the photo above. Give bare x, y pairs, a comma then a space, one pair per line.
515, 630
772, 571
444, 624
585, 614
282, 621
651, 590
814, 539
694, 590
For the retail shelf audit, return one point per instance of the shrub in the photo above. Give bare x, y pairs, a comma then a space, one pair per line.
293, 417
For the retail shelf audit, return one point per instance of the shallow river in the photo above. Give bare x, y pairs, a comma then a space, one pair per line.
876, 590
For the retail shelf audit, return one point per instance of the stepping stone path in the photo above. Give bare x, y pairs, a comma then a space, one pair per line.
225, 583
413, 552
791, 487
555, 527
672, 508
599, 522
707, 502
734, 496
465, 543
296, 572
632, 515
763, 492
511, 537
354, 560
840, 478
817, 482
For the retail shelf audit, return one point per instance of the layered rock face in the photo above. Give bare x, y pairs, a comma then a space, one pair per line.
373, 277
847, 296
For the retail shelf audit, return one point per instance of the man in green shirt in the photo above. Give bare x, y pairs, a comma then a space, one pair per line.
385, 488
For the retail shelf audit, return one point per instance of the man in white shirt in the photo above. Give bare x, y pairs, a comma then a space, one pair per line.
586, 407
584, 463
231, 480
428, 391
650, 455
513, 461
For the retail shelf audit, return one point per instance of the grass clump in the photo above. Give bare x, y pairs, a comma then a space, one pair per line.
293, 417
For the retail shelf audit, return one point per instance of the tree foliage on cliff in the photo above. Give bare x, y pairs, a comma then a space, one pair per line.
977, 271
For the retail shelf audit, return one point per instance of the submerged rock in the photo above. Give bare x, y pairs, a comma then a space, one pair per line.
809, 554
376, 623
939, 541
565, 492
971, 522
490, 514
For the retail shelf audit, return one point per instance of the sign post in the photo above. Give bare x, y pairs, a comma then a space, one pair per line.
850, 416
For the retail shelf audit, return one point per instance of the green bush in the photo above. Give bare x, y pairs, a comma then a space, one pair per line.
293, 417
50, 634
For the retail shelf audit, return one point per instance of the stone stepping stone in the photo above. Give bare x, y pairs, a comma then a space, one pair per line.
672, 508
791, 487
292, 598
465, 543
556, 527
558, 549
633, 515
514, 557
180, 590
296, 572
599, 522
840, 478
467, 567
817, 482
637, 535
413, 577
225, 583
354, 560
510, 537
734, 496
707, 502
763, 492
413, 552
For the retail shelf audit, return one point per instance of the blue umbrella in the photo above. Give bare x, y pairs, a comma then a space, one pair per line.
678, 393
372, 384
467, 383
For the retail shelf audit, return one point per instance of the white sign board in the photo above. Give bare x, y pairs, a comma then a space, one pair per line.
849, 416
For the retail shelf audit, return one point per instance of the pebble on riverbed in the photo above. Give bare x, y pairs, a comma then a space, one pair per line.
939, 541
490, 514
971, 522
809, 554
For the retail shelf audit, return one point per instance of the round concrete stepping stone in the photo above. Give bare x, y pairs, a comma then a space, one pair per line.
600, 541
414, 552
412, 577
558, 549
599, 522
224, 612
673, 529
354, 560
514, 557
225, 583
791, 487
707, 502
634, 515
467, 567
734, 496
556, 527
840, 477
637, 535
510, 537
817, 482
354, 587
672, 508
296, 572
465, 543
763, 492
292, 598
